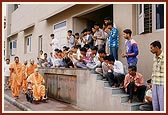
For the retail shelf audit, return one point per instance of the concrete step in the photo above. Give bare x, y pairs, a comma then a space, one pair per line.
134, 106
116, 90
99, 77
123, 97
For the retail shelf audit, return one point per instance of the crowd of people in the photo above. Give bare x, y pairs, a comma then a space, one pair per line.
96, 49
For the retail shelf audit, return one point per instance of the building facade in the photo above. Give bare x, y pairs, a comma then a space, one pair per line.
29, 27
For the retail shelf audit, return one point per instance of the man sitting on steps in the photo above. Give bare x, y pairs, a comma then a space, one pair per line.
134, 84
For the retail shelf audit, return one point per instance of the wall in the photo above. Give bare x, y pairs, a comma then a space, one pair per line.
124, 19
90, 94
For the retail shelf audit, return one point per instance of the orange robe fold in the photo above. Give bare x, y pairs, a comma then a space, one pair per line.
24, 77
38, 88
15, 78
30, 69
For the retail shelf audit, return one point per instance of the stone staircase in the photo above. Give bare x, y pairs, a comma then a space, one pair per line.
120, 97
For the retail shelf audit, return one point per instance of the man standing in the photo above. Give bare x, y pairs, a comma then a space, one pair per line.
99, 36
16, 77
31, 67
54, 43
37, 82
113, 40
157, 77
6, 73
71, 39
131, 48
24, 82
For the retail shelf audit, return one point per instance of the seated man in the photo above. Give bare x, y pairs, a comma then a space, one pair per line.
148, 98
46, 62
94, 59
134, 84
37, 84
115, 72
83, 58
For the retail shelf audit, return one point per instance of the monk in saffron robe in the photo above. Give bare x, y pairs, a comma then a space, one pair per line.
37, 83
16, 73
24, 81
31, 67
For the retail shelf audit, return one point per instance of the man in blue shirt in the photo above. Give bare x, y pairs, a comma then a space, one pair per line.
131, 48
113, 40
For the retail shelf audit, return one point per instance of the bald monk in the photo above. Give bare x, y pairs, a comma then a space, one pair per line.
24, 81
16, 73
31, 67
37, 83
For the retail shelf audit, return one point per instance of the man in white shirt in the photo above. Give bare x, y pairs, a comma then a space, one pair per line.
70, 39
115, 74
54, 43
6, 73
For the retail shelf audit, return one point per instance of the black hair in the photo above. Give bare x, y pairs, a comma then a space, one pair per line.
102, 50
85, 30
7, 59
149, 81
96, 24
51, 35
56, 50
16, 57
133, 68
107, 18
76, 46
111, 58
69, 31
76, 34
45, 53
79, 46
89, 30
110, 23
87, 46
59, 51
94, 48
83, 49
64, 47
105, 58
156, 44
128, 31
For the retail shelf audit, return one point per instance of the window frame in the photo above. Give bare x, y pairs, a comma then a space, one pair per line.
12, 48
28, 47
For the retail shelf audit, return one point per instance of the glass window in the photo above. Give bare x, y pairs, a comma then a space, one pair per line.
28, 44
159, 16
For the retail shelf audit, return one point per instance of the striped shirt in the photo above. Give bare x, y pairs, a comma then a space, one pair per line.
158, 70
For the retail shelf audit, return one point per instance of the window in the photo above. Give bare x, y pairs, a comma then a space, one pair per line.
144, 18
40, 43
159, 16
12, 47
60, 33
28, 44
16, 6
59, 25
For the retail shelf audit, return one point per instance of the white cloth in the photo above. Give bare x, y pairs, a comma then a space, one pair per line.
148, 93
6, 70
118, 67
55, 44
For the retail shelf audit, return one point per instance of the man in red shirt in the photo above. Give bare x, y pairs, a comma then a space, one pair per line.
134, 84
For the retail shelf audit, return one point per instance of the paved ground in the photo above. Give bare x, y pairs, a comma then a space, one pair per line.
9, 107
50, 105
